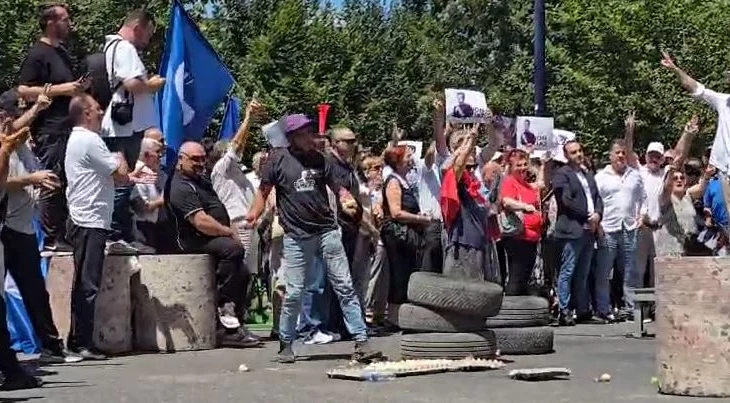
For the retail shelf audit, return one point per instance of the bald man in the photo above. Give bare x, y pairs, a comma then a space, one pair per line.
92, 172
202, 225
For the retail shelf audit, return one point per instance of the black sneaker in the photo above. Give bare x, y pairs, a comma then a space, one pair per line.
90, 354
59, 356
364, 353
19, 382
286, 354
239, 338
566, 319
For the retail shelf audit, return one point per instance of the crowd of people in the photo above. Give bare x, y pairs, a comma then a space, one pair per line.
333, 229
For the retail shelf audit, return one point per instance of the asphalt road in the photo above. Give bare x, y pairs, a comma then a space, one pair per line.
212, 376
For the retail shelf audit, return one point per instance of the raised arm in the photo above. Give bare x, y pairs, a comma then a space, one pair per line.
465, 150
687, 82
239, 140
439, 127
629, 135
681, 150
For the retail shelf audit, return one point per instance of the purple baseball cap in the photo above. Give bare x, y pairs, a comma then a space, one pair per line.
295, 122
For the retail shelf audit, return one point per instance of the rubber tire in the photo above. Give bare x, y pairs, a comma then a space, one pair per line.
449, 345
422, 319
524, 341
521, 311
467, 297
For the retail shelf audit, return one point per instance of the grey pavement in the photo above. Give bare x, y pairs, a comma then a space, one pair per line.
212, 376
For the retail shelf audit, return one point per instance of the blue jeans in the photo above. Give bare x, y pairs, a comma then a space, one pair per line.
311, 317
300, 256
619, 245
574, 268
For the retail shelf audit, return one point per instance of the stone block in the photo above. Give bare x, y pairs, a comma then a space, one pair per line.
113, 316
693, 326
174, 303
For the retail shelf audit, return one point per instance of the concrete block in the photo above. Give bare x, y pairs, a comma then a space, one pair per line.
113, 317
693, 326
174, 303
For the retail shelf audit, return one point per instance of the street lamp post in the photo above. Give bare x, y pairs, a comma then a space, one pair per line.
539, 58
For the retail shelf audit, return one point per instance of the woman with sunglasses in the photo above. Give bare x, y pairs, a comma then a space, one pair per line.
677, 221
521, 197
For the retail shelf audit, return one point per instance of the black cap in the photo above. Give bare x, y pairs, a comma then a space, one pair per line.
9, 103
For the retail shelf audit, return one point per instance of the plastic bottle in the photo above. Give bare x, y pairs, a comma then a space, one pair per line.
373, 376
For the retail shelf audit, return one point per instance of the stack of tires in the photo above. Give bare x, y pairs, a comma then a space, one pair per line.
446, 317
521, 327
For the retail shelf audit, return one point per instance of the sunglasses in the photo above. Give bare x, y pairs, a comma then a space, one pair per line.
472, 167
348, 141
678, 178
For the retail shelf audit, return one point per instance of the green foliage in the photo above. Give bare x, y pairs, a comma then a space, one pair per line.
382, 65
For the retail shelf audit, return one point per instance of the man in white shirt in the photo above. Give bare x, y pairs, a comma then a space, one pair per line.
622, 191
91, 170
131, 110
233, 187
147, 198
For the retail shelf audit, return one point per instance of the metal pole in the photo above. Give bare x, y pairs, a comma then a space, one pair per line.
539, 57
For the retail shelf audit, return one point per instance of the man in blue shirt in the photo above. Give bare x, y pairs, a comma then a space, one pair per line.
714, 202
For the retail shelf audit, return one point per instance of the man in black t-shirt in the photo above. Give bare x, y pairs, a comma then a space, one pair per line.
47, 70
202, 225
300, 174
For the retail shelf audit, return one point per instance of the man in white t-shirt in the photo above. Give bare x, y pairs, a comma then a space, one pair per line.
131, 110
91, 170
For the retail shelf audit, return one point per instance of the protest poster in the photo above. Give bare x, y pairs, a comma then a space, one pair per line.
465, 106
505, 126
275, 134
534, 133
560, 137
416, 148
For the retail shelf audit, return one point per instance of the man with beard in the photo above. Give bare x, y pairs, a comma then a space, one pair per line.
579, 215
300, 174
47, 70
202, 224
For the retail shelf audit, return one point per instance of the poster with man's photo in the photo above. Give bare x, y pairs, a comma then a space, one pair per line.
465, 106
505, 125
560, 137
415, 147
534, 133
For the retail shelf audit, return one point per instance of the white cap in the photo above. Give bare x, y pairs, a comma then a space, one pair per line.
655, 146
496, 156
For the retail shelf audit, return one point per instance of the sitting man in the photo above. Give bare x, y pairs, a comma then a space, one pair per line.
147, 200
202, 225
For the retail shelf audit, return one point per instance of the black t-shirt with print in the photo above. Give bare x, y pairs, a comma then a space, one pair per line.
301, 182
184, 197
46, 64
345, 175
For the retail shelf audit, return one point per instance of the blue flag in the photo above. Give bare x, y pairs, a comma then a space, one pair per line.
197, 81
231, 120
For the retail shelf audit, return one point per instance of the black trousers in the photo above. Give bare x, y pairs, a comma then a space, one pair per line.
9, 365
521, 260
23, 262
54, 212
88, 245
433, 252
232, 276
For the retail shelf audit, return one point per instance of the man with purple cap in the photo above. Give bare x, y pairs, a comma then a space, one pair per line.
300, 174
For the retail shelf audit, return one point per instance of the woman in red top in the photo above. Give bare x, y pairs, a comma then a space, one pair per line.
523, 198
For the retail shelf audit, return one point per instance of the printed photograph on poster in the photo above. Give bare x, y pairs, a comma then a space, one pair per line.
534, 132
416, 148
465, 106
560, 137
506, 126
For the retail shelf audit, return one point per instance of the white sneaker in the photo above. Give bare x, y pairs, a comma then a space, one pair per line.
319, 338
120, 248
